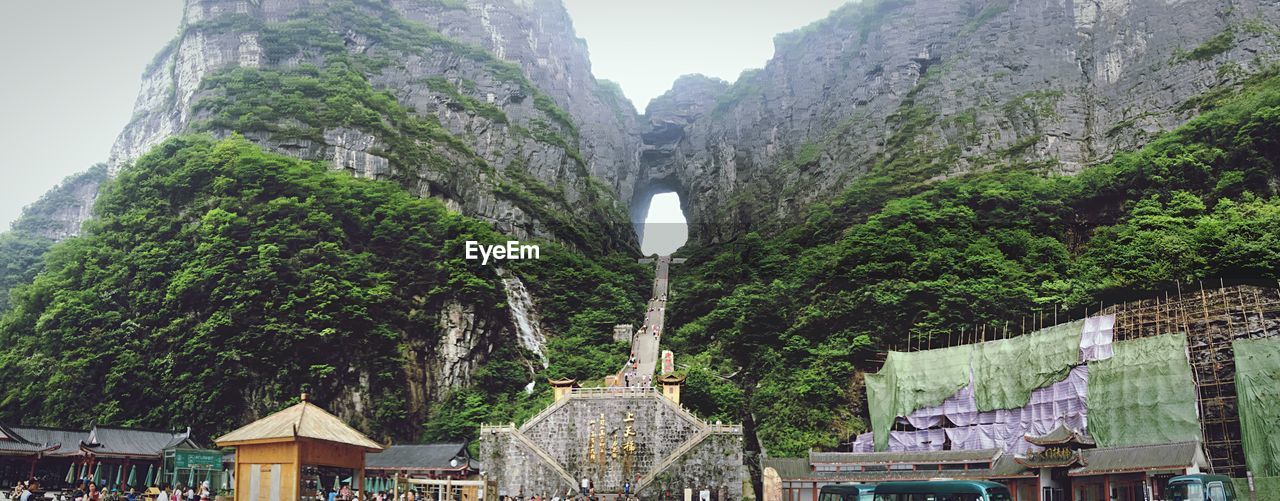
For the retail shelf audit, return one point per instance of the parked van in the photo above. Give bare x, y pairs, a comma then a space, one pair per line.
942, 490
847, 492
1201, 487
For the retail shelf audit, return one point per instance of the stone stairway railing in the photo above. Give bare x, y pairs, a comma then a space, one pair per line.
683, 412
537, 451
603, 392
676, 455
550, 409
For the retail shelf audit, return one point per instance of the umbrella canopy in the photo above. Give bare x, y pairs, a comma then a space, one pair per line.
191, 477
149, 477
97, 473
71, 473
84, 470
133, 476
119, 475
335, 483
208, 477
226, 480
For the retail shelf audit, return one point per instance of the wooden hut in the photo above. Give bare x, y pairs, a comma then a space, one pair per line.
297, 453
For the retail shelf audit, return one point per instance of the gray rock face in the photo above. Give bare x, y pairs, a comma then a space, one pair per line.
536, 37
968, 83
62, 211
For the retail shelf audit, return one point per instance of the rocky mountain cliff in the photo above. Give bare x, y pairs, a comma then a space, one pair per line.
507, 84
873, 88
481, 105
490, 107
917, 90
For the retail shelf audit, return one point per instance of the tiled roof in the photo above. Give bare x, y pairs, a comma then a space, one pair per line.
1060, 435
1004, 466
1140, 458
15, 448
997, 466
421, 457
68, 440
958, 456
788, 467
110, 441
302, 420
8, 435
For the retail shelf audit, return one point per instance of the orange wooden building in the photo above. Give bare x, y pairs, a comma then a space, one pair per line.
298, 453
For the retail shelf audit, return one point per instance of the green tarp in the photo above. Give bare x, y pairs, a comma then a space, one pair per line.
1258, 394
1265, 488
1006, 371
1143, 395
910, 381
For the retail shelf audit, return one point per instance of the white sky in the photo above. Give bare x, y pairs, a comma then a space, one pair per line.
664, 227
71, 69
69, 73
645, 44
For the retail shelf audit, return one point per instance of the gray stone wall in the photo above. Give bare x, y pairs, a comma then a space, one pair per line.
673, 448
715, 464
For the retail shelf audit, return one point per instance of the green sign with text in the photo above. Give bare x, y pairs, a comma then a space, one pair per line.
197, 459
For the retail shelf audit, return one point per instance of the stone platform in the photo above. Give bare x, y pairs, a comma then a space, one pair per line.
647, 439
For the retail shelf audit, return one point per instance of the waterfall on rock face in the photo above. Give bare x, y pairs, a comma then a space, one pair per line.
665, 228
525, 318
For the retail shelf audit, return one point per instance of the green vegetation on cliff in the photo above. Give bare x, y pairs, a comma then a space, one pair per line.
335, 69
21, 257
791, 318
22, 248
219, 281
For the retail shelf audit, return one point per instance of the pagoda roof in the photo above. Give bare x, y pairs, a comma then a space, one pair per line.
671, 379
1062, 434
303, 420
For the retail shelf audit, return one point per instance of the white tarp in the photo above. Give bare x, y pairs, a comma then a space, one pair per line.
1060, 403
920, 440
865, 442
1095, 339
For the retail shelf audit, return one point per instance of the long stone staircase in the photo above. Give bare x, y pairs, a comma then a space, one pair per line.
580, 434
